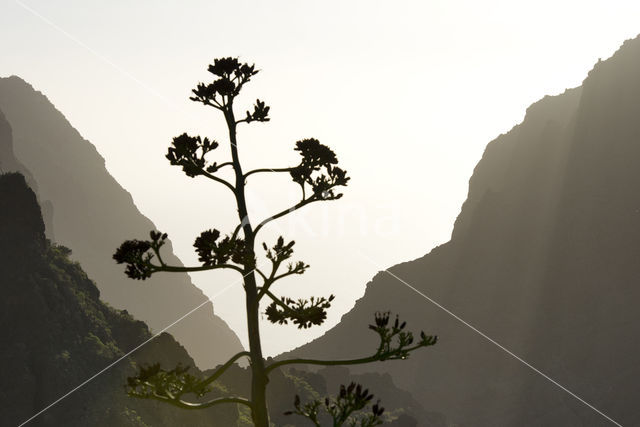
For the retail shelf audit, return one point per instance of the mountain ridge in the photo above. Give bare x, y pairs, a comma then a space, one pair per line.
89, 212
543, 258
66, 355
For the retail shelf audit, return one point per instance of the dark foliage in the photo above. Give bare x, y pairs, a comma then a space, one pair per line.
20, 220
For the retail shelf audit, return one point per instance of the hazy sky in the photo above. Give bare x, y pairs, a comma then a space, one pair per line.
407, 93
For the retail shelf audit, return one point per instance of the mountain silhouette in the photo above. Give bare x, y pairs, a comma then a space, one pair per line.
56, 334
544, 259
86, 210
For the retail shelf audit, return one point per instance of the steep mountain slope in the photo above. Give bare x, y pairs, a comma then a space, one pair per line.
92, 214
544, 258
10, 163
56, 333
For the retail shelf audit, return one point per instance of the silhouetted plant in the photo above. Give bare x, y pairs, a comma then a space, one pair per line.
345, 409
319, 177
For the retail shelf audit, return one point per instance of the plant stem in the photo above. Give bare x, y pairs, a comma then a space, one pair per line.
259, 379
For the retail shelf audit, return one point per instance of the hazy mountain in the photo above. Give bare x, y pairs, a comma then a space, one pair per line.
56, 333
544, 258
89, 212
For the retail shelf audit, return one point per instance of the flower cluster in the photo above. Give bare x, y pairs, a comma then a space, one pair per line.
277, 255
317, 169
212, 251
232, 75
260, 113
137, 254
189, 151
231, 68
394, 340
280, 251
343, 409
304, 313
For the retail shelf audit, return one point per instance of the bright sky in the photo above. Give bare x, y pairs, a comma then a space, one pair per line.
407, 93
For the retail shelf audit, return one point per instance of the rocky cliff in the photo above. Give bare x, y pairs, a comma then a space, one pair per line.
544, 259
58, 337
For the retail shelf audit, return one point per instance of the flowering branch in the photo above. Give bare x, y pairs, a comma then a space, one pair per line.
153, 382
395, 343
